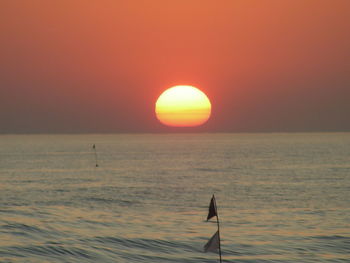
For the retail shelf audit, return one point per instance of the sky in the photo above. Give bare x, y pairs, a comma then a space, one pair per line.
76, 66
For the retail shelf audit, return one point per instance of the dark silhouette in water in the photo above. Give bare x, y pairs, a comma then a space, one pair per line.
94, 147
214, 242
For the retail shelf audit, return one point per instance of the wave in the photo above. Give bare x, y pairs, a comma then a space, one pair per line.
60, 252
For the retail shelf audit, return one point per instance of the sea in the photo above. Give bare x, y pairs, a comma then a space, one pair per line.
281, 197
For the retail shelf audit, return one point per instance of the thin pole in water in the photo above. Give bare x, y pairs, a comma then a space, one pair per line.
94, 147
214, 242
218, 223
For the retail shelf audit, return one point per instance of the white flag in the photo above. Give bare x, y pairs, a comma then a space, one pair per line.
213, 243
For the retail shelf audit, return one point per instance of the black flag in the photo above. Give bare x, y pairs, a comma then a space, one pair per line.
213, 243
212, 208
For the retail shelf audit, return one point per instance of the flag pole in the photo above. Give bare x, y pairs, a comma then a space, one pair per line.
218, 223
94, 147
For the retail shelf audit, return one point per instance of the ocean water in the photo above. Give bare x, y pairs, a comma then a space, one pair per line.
280, 197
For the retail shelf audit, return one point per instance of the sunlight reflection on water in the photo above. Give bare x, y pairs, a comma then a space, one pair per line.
281, 197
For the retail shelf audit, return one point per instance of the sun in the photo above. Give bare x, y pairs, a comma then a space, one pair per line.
183, 106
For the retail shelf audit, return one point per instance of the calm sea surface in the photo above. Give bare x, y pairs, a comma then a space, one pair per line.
280, 197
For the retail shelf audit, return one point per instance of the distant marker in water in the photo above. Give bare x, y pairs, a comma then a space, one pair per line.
94, 147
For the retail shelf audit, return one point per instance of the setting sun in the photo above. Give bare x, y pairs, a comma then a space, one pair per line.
183, 106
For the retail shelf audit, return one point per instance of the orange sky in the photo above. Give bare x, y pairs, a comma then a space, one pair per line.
99, 66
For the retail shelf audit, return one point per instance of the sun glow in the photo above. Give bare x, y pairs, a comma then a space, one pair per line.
183, 106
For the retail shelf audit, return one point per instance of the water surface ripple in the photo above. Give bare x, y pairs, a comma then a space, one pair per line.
281, 197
